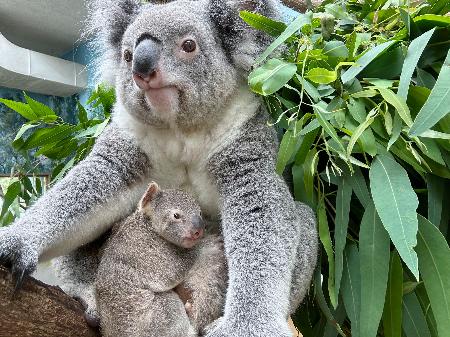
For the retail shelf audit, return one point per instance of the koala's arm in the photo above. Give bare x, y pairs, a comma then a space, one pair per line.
80, 207
262, 232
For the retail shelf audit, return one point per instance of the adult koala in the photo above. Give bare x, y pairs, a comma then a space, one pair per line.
185, 118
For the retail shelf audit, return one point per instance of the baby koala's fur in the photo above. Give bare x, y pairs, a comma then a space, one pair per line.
152, 256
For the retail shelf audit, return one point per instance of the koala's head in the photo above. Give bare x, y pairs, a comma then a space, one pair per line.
178, 62
174, 214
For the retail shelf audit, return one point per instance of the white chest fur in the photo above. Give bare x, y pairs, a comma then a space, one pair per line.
179, 159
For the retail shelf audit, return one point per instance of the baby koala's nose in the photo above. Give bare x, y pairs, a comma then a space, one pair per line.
197, 234
198, 227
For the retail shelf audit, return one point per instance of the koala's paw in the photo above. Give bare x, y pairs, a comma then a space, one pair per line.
18, 255
221, 328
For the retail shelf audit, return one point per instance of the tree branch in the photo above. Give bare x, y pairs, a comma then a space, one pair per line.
39, 310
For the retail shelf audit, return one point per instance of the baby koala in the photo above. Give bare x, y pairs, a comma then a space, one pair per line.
148, 255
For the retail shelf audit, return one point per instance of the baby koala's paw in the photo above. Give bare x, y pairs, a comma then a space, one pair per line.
189, 309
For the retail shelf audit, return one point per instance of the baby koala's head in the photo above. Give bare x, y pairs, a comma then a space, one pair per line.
174, 214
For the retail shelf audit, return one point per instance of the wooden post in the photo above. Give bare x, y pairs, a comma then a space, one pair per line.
39, 310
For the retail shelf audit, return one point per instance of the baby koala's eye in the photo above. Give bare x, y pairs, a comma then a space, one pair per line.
189, 46
127, 56
176, 216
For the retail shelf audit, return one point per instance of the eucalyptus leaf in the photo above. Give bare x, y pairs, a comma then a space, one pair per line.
365, 60
398, 103
258, 21
435, 190
374, 252
415, 50
298, 23
21, 108
335, 49
271, 77
396, 204
434, 257
437, 104
343, 198
392, 314
287, 148
321, 75
414, 323
351, 287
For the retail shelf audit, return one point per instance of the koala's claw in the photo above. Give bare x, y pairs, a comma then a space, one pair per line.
18, 257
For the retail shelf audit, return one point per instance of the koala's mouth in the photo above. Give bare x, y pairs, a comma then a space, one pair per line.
158, 95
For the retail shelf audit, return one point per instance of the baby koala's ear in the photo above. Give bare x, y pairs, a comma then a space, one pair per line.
149, 195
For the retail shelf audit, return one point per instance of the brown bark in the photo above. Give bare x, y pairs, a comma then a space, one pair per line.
300, 5
39, 310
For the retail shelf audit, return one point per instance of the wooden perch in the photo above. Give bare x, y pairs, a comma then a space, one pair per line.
39, 310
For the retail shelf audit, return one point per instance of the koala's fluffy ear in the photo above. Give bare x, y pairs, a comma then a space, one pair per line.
149, 195
242, 43
108, 19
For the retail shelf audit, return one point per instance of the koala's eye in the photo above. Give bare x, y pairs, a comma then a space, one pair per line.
127, 56
189, 46
176, 216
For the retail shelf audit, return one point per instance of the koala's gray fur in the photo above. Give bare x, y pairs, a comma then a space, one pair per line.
205, 133
143, 262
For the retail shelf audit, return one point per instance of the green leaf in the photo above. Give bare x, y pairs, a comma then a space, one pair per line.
435, 190
321, 75
432, 150
434, 257
415, 50
49, 135
425, 79
271, 77
365, 60
357, 109
298, 23
21, 108
398, 103
343, 198
351, 287
435, 134
374, 252
287, 148
335, 49
392, 314
11, 194
82, 113
437, 104
305, 146
329, 129
309, 88
414, 323
260, 22
396, 130
358, 133
325, 238
359, 186
396, 204
424, 301
24, 128
41, 110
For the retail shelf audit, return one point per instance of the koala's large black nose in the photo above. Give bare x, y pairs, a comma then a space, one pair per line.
146, 57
